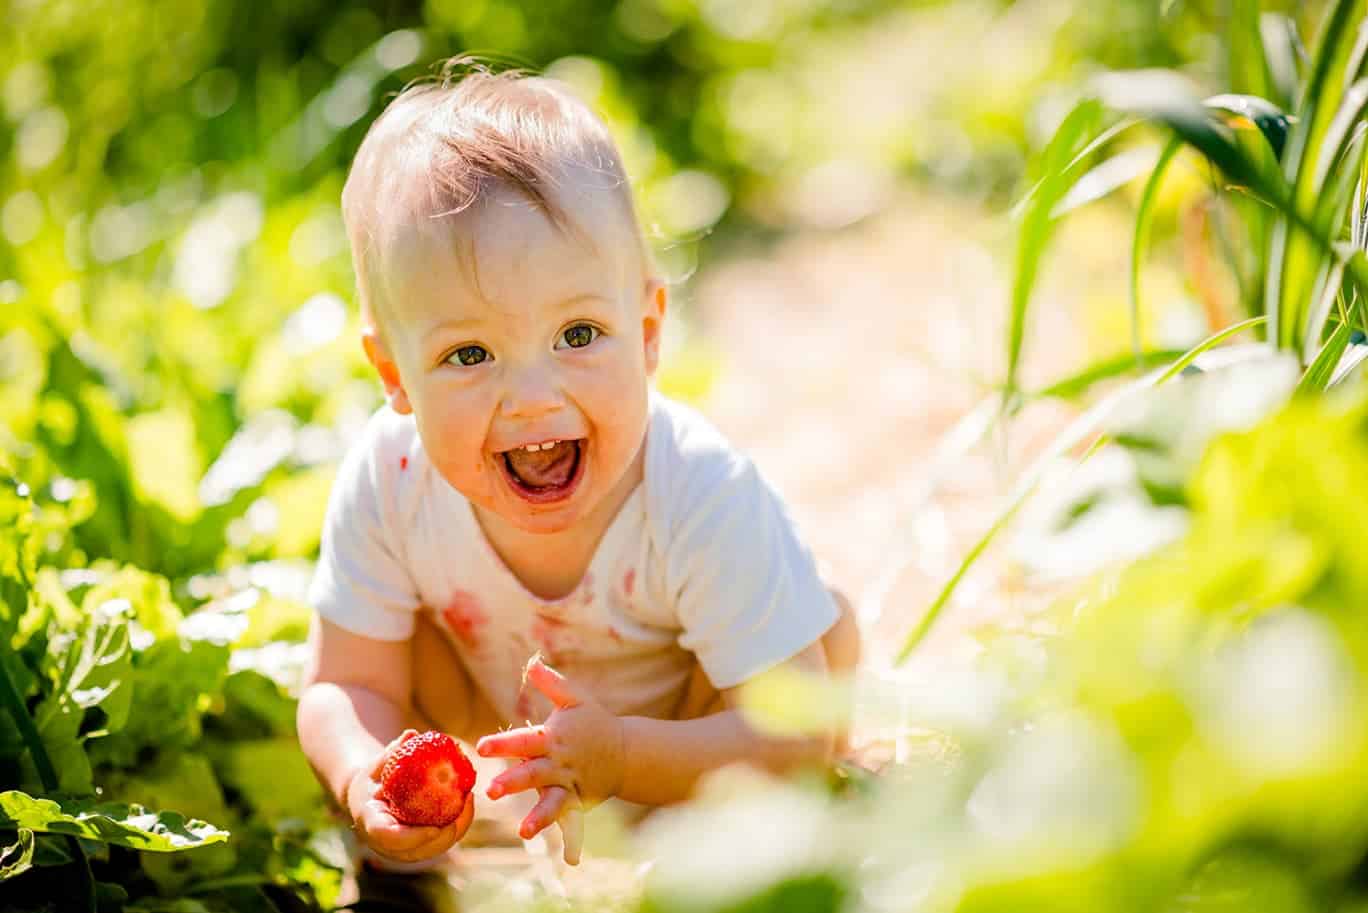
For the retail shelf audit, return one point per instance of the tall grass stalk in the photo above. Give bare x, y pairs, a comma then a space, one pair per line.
1297, 182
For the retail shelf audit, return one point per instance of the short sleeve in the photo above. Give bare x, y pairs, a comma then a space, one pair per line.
746, 589
360, 582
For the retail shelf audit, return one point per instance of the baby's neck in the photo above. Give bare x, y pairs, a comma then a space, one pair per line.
551, 565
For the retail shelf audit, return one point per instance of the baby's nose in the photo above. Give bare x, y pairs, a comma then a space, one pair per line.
533, 392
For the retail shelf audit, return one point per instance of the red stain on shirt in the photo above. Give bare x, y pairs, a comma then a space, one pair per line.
546, 633
614, 635
465, 617
629, 581
403, 462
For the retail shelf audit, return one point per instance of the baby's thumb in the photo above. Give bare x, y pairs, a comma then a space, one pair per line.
572, 834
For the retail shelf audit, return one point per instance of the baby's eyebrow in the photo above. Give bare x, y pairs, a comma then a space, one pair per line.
568, 303
461, 324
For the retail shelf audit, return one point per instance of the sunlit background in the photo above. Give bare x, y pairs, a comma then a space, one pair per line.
836, 190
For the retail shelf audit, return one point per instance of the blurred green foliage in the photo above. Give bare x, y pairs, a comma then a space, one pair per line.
179, 374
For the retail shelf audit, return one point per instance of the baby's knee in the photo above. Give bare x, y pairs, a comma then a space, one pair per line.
842, 641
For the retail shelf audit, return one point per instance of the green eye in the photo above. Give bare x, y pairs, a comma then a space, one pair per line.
470, 355
579, 335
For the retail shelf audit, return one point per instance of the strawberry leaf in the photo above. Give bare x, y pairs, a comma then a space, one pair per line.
132, 826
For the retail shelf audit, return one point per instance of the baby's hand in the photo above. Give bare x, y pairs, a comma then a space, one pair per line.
376, 826
576, 756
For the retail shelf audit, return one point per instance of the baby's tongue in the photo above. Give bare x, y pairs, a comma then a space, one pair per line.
544, 467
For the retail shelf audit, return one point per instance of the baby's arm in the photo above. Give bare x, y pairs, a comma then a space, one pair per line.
665, 758
584, 752
354, 705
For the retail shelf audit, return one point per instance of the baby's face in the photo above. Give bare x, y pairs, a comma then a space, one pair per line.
524, 357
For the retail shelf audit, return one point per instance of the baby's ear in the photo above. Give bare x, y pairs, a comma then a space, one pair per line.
655, 302
379, 355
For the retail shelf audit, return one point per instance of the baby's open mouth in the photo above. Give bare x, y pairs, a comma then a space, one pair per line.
547, 470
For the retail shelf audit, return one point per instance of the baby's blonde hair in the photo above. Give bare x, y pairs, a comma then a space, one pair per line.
447, 142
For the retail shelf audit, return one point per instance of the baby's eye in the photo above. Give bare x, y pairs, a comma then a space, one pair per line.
470, 355
579, 335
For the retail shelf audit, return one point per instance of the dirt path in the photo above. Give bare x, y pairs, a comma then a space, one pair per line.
846, 360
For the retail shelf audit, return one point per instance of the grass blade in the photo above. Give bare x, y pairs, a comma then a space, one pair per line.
1117, 171
1299, 259
1317, 376
1284, 53
1248, 61
1143, 219
1076, 385
1078, 431
1061, 166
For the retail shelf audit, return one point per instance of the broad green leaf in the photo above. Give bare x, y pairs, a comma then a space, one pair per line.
17, 858
271, 776
132, 826
92, 665
148, 595
173, 681
184, 781
254, 707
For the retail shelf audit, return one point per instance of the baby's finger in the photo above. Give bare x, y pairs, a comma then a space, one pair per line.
548, 808
383, 828
379, 763
466, 816
536, 772
551, 683
525, 742
572, 833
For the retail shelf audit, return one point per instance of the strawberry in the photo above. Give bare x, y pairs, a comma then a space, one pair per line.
425, 779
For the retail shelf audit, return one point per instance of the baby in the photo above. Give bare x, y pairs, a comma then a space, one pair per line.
525, 534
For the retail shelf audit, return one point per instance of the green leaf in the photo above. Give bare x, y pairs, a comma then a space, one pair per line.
1283, 52
184, 781
1061, 168
132, 826
17, 858
1317, 376
272, 776
1248, 62
92, 666
1118, 366
1082, 428
173, 681
1270, 120
147, 594
1143, 218
165, 462
1299, 250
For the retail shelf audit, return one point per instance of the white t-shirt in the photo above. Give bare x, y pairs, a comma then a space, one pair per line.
702, 560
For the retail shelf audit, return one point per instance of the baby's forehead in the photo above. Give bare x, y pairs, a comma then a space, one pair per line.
506, 246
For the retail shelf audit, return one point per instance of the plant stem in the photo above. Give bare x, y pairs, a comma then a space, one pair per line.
11, 700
